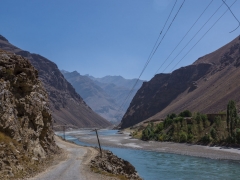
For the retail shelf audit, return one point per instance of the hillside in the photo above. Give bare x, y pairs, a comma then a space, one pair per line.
104, 95
206, 86
66, 105
26, 134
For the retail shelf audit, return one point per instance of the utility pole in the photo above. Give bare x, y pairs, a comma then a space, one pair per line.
99, 143
64, 132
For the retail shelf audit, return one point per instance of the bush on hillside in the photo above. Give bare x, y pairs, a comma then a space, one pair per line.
183, 137
213, 133
148, 132
185, 113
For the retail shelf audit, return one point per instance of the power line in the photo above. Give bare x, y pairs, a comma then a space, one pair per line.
203, 35
194, 36
151, 55
233, 15
148, 58
184, 36
168, 29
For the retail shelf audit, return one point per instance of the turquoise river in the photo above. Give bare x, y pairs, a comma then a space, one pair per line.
152, 165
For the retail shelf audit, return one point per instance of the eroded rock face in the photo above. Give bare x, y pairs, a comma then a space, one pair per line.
24, 112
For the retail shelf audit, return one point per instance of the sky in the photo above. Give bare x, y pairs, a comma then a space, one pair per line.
116, 37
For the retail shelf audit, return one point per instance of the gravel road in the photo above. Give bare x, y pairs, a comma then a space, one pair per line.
74, 167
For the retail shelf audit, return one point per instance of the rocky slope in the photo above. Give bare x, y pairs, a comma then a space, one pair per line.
205, 86
26, 135
66, 105
104, 95
112, 164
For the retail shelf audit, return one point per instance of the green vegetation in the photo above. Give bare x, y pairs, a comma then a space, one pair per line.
219, 128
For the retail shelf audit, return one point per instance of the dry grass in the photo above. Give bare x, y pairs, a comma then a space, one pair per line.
6, 139
99, 171
14, 151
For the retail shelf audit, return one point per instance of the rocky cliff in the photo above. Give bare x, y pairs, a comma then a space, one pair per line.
26, 134
205, 86
66, 105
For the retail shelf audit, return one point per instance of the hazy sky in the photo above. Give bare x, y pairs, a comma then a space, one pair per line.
115, 37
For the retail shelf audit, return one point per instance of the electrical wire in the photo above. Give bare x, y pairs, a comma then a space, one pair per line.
233, 16
149, 59
193, 36
184, 36
203, 35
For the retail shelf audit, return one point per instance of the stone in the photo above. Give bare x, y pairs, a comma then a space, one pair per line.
114, 165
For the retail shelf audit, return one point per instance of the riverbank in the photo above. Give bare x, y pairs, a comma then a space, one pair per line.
74, 164
125, 141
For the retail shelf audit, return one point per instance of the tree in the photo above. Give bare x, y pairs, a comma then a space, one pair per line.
231, 117
213, 133
159, 127
148, 132
185, 113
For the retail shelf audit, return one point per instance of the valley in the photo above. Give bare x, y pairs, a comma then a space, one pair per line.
104, 95
119, 90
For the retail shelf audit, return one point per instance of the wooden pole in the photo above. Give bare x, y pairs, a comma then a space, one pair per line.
99, 143
64, 132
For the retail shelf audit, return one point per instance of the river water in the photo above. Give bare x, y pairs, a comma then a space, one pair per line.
152, 165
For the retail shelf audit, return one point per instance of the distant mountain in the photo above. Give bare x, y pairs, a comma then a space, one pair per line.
104, 95
118, 81
205, 86
118, 88
66, 105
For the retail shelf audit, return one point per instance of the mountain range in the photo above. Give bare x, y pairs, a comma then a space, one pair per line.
104, 95
66, 105
205, 86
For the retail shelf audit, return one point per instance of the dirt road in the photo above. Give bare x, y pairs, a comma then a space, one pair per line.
74, 167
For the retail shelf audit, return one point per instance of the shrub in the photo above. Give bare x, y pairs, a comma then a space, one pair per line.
206, 123
189, 129
167, 122
148, 132
183, 137
160, 137
238, 135
198, 117
204, 117
178, 119
217, 121
200, 127
185, 113
213, 133
166, 137
159, 127
172, 116
190, 137
206, 138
